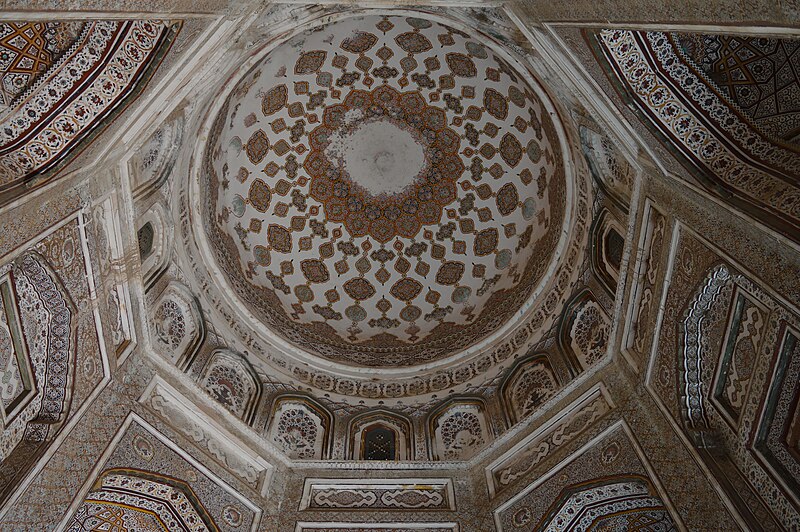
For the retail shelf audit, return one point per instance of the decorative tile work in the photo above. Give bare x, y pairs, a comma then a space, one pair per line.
617, 492
692, 260
49, 285
618, 503
563, 429
703, 129
15, 364
181, 414
424, 494
366, 275
128, 499
759, 76
152, 164
29, 49
700, 335
79, 79
693, 368
542, 313
144, 472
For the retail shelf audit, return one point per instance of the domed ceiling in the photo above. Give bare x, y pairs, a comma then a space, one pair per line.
384, 190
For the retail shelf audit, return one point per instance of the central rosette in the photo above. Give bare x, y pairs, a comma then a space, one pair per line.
384, 163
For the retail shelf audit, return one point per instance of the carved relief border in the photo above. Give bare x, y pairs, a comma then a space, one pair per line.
618, 426
774, 431
114, 275
644, 290
134, 418
79, 218
741, 453
412, 494
182, 414
559, 431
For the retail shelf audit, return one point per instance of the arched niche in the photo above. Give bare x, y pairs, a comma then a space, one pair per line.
458, 429
230, 380
154, 243
528, 386
300, 427
380, 435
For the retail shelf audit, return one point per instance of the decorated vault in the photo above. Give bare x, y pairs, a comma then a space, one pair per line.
458, 267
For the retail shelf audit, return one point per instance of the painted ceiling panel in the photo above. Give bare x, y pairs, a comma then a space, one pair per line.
723, 106
62, 82
386, 191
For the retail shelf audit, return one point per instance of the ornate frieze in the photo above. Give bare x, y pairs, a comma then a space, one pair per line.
80, 79
181, 414
523, 458
411, 494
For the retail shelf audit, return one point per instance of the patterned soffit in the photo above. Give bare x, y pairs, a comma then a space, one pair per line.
759, 76
726, 107
384, 191
62, 82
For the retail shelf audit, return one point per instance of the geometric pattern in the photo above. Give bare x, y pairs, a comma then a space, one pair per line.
704, 130
759, 76
60, 83
27, 50
384, 257
124, 499
617, 503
